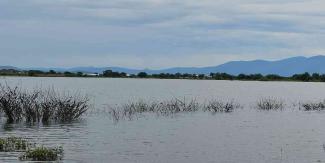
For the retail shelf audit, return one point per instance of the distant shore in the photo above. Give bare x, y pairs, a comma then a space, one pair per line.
304, 77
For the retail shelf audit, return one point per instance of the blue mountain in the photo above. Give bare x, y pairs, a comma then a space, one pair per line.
285, 67
8, 68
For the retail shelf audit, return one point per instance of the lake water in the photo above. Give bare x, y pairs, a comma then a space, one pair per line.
245, 135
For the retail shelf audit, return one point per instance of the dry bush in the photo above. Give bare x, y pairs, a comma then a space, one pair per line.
40, 105
164, 108
221, 106
312, 106
270, 104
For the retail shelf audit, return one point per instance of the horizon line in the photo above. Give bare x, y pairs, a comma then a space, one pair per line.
163, 68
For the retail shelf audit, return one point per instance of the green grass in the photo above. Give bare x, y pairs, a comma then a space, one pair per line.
14, 144
29, 151
42, 154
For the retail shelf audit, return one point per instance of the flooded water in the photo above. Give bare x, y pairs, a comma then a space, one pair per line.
245, 135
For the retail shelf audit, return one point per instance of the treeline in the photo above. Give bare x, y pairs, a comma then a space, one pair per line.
212, 76
270, 77
39, 73
222, 76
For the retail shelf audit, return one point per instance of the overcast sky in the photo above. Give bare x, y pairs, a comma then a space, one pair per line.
157, 33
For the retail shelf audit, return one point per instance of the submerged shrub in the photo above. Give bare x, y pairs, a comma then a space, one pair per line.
10, 105
161, 108
169, 108
220, 106
40, 105
48, 105
176, 106
30, 105
270, 104
70, 108
42, 154
129, 110
313, 106
14, 144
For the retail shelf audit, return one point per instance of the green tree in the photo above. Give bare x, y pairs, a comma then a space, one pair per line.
273, 77
80, 74
302, 77
142, 75
315, 76
52, 72
34, 72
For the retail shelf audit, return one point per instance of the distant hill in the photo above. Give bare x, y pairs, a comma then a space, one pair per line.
285, 67
88, 69
8, 68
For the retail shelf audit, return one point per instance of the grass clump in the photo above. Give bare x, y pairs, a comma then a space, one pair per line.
29, 150
220, 106
176, 106
10, 103
169, 108
165, 108
42, 154
64, 108
313, 106
129, 110
270, 104
40, 105
14, 144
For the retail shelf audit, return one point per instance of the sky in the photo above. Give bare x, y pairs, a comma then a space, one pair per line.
157, 33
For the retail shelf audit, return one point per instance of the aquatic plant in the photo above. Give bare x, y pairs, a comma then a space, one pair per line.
48, 105
176, 106
40, 105
313, 106
31, 152
14, 144
70, 108
129, 110
270, 104
42, 154
30, 105
165, 108
10, 103
220, 106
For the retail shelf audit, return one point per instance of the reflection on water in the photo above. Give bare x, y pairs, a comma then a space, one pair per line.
245, 135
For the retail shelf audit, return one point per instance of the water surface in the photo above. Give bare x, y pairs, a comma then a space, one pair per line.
246, 135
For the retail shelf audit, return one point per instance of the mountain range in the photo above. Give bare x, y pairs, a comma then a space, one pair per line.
284, 67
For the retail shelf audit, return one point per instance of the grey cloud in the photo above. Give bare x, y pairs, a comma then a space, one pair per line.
178, 30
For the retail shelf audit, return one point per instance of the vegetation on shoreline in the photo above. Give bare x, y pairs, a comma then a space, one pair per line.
305, 77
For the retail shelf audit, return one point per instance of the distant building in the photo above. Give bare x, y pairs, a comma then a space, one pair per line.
91, 74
